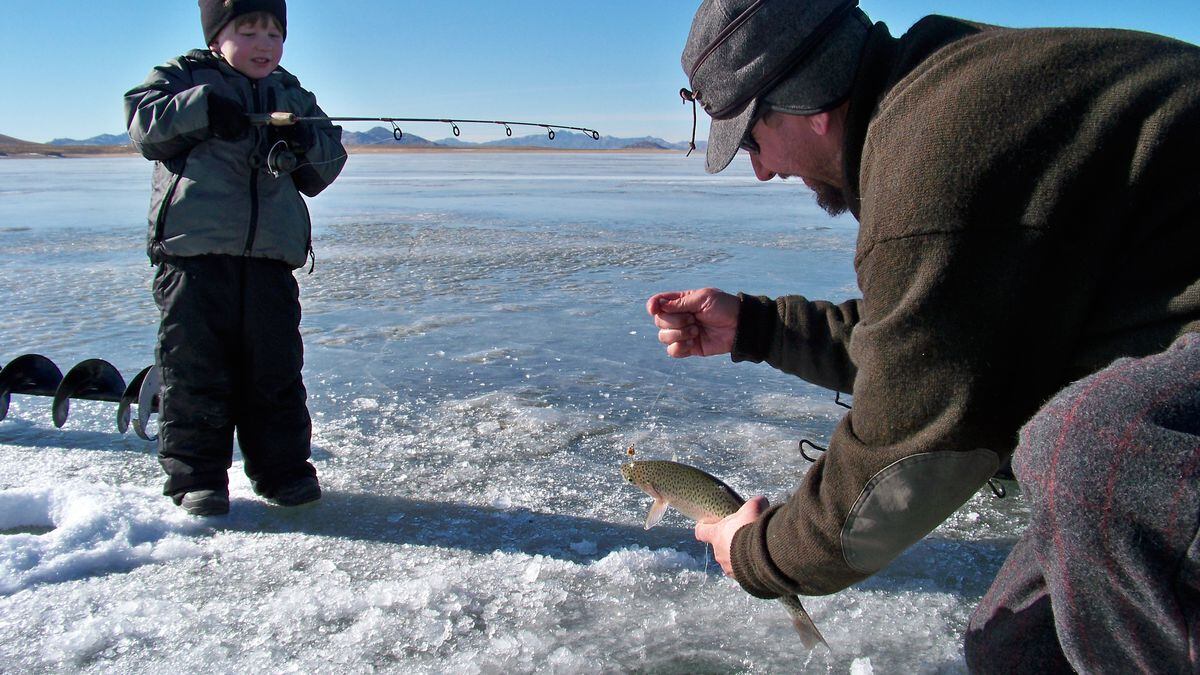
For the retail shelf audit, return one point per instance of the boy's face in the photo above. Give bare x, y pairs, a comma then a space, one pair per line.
253, 49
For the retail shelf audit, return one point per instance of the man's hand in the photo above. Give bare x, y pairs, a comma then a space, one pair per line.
695, 323
720, 534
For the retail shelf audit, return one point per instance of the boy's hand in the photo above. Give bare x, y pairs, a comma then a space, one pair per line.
299, 136
226, 118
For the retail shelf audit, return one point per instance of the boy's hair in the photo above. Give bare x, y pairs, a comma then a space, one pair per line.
255, 18
216, 14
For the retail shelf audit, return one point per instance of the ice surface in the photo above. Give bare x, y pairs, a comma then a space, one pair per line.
478, 360
77, 530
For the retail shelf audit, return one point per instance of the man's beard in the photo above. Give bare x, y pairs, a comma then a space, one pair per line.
828, 197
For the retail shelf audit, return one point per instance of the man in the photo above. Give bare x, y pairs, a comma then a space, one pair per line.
1029, 262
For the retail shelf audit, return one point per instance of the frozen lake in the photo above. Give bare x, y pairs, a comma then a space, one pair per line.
478, 358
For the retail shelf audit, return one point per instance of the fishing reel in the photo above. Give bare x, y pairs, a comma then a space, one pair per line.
278, 161
281, 159
284, 144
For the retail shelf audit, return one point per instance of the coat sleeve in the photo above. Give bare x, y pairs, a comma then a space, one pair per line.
320, 165
809, 339
167, 114
945, 377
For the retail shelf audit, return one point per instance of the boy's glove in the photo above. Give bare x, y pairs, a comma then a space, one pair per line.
300, 136
226, 118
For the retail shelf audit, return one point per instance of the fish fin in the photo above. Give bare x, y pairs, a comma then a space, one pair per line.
810, 637
657, 510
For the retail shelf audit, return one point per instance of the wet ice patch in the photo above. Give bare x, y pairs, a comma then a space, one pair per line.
793, 407
493, 355
493, 422
363, 333
77, 530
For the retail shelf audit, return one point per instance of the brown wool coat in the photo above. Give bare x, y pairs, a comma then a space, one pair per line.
1029, 207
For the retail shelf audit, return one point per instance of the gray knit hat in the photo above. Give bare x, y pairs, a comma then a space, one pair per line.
214, 14
797, 56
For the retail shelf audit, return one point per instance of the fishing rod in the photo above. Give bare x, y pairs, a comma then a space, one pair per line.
283, 119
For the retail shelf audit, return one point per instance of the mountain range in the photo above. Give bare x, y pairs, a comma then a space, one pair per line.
102, 139
382, 136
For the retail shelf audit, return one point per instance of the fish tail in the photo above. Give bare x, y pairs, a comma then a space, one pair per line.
809, 635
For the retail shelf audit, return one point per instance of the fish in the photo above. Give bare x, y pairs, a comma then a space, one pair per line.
705, 499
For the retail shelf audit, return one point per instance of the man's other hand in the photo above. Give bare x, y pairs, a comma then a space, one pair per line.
695, 323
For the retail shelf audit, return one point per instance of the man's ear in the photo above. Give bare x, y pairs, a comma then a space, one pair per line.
819, 123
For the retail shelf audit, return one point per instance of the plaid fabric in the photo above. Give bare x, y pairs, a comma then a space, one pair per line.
1106, 579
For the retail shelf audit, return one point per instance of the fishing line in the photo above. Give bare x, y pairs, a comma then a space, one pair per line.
642, 435
661, 391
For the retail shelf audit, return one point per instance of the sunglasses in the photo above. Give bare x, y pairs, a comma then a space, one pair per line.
748, 143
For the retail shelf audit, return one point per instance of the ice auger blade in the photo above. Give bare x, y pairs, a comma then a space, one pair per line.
28, 374
148, 402
92, 380
132, 391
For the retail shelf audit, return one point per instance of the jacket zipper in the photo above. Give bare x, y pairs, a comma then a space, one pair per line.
160, 223
253, 229
308, 247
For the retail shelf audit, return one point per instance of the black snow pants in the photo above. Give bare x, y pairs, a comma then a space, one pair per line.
230, 355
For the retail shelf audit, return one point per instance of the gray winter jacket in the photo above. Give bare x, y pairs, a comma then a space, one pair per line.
215, 196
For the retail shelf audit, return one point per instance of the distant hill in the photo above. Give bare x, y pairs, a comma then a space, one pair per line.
10, 146
15, 146
647, 145
383, 136
102, 139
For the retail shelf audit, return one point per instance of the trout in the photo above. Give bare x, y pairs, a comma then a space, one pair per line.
704, 499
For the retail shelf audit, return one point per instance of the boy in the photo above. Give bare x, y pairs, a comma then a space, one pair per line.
227, 227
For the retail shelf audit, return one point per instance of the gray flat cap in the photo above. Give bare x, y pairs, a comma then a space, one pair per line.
797, 56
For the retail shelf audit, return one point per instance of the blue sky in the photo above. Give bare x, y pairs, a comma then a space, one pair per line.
612, 65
